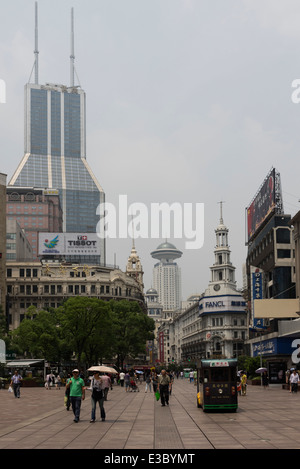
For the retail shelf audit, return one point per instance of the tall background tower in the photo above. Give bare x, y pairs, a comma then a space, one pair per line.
167, 276
55, 151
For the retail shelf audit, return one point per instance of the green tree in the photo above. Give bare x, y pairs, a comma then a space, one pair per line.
131, 327
82, 321
249, 364
37, 336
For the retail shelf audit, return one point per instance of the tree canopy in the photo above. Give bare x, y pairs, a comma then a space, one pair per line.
88, 329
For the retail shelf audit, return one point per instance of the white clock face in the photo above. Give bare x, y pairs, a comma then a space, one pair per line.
217, 287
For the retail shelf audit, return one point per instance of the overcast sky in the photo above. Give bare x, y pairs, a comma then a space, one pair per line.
188, 101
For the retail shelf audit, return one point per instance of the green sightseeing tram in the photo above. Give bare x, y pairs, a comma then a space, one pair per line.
217, 385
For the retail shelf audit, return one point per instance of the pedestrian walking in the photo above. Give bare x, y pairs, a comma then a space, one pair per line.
122, 377
97, 389
16, 383
148, 383
67, 394
294, 380
58, 382
244, 383
191, 376
127, 381
265, 379
77, 393
163, 387
106, 384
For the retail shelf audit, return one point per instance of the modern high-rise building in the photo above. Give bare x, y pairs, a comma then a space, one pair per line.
55, 153
167, 276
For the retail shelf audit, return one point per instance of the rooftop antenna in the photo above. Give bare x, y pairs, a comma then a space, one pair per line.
72, 56
36, 52
221, 211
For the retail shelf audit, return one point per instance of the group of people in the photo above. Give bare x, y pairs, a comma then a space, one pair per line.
75, 393
99, 385
53, 381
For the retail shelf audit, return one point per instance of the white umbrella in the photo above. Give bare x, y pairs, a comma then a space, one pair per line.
112, 370
101, 369
261, 370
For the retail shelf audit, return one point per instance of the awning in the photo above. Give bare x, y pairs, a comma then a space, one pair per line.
23, 363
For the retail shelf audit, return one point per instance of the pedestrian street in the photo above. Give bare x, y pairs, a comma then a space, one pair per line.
266, 419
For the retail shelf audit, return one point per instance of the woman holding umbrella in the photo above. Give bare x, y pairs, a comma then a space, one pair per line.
97, 388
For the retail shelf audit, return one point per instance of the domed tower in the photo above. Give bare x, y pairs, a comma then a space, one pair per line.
167, 276
153, 306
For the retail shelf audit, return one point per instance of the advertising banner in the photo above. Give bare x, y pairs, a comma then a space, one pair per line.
68, 244
257, 294
262, 205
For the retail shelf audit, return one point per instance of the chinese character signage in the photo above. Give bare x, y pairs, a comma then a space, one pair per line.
257, 294
216, 363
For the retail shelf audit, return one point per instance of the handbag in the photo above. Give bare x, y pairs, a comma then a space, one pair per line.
97, 395
10, 389
157, 395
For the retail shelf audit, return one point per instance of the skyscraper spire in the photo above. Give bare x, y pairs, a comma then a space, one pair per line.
72, 56
221, 212
36, 52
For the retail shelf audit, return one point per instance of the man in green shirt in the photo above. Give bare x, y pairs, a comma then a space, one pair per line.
77, 393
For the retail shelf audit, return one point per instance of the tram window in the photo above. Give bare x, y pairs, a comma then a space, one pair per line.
219, 374
206, 375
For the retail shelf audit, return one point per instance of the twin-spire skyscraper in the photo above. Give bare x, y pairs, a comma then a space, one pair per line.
55, 150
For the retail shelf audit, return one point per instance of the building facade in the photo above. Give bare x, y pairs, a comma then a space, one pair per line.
35, 211
3, 241
47, 285
18, 248
215, 325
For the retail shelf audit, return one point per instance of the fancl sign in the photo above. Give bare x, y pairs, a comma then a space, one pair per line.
214, 304
222, 304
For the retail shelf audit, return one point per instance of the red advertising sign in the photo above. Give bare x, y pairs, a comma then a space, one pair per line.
161, 347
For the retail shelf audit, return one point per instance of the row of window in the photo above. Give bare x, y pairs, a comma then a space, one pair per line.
71, 289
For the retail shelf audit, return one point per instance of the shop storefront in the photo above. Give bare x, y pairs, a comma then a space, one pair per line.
277, 352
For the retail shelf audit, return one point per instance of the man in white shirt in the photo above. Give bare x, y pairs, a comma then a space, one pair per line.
294, 379
122, 377
16, 383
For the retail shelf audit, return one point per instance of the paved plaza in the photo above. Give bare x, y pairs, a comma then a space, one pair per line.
266, 419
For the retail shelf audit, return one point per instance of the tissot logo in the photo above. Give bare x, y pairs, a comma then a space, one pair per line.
82, 240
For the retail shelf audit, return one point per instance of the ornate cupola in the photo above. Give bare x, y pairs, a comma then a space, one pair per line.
134, 267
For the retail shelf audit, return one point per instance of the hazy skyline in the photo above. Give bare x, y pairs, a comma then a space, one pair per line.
188, 101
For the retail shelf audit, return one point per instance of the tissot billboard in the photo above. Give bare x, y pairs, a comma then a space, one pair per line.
68, 244
263, 204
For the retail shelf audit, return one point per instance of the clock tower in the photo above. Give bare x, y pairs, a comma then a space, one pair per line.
222, 271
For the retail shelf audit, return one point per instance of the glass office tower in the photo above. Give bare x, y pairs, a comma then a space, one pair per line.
55, 157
